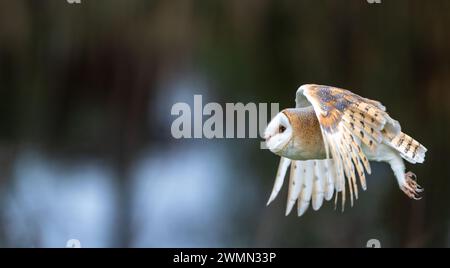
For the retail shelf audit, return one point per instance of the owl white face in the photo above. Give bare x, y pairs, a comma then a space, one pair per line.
278, 133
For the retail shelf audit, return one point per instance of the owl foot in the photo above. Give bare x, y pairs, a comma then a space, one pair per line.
411, 188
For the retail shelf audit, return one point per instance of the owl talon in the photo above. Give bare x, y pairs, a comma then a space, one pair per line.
411, 188
411, 175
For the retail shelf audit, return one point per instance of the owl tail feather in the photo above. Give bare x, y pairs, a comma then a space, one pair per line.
410, 149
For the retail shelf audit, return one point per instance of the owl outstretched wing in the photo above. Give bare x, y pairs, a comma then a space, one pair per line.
347, 121
310, 181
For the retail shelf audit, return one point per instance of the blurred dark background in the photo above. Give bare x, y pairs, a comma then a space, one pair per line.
85, 97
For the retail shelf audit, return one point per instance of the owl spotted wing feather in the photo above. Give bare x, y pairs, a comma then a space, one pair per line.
347, 121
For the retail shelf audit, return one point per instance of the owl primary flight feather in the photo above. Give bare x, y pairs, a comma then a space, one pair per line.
329, 139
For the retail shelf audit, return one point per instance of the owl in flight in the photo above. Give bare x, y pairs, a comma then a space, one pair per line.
328, 140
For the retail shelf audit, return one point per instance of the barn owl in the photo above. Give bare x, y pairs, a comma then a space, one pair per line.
328, 140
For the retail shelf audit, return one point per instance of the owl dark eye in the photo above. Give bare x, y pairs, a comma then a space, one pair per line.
281, 129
